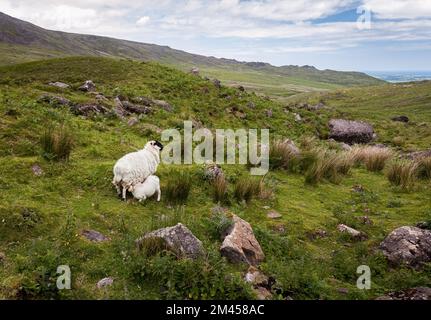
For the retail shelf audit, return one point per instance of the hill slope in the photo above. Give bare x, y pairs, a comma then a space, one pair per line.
21, 41
45, 206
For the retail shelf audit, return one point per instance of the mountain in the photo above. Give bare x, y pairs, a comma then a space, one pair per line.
22, 41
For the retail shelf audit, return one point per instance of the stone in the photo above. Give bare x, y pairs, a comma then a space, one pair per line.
417, 155
365, 220
251, 105
89, 109
212, 171
419, 293
164, 105
407, 245
262, 293
269, 113
255, 277
195, 71
240, 244
37, 170
317, 234
350, 132
354, 234
298, 117
60, 85
135, 108
404, 119
94, 236
292, 146
132, 122
101, 97
55, 101
345, 146
179, 239
105, 282
274, 215
217, 83
88, 86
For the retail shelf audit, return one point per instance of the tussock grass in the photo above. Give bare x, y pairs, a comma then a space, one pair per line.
282, 156
178, 187
373, 158
57, 144
246, 188
402, 173
220, 188
424, 168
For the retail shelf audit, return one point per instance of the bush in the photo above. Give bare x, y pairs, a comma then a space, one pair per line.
246, 189
282, 156
374, 158
424, 168
178, 187
57, 144
220, 188
402, 173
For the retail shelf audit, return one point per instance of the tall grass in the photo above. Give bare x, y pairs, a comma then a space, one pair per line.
57, 144
220, 189
246, 188
178, 187
373, 158
282, 156
402, 173
424, 168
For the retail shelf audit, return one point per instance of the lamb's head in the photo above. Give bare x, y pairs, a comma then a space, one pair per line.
154, 145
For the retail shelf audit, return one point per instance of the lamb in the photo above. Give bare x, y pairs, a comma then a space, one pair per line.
135, 167
147, 189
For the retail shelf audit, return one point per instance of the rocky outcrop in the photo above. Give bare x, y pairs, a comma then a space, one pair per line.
94, 236
125, 108
350, 132
178, 239
420, 293
88, 86
240, 244
354, 234
89, 109
407, 245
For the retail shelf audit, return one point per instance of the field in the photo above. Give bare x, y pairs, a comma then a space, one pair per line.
42, 217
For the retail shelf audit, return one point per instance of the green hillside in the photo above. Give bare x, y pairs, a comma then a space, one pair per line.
21, 41
43, 215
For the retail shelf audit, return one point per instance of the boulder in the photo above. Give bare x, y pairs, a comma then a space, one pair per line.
407, 245
240, 244
94, 236
60, 85
350, 132
179, 239
419, 293
164, 105
105, 282
354, 234
88, 86
404, 119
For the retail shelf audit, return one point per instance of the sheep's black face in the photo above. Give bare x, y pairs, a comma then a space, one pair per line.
159, 145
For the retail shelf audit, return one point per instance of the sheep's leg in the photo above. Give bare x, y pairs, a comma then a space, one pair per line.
142, 199
159, 194
118, 189
124, 194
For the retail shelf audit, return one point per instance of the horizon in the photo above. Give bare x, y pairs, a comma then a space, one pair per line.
301, 33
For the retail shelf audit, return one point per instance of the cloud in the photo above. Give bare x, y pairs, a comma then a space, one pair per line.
143, 21
400, 9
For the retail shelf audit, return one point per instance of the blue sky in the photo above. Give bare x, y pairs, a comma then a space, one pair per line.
390, 34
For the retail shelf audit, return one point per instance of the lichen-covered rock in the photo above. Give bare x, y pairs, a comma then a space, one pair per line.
179, 239
105, 282
60, 85
88, 86
354, 234
420, 293
350, 132
240, 244
407, 245
417, 155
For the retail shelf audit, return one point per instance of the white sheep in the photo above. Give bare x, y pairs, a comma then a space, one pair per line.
147, 189
135, 167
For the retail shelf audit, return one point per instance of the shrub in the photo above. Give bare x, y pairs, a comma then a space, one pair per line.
178, 187
246, 189
402, 173
220, 188
57, 144
282, 156
424, 168
374, 158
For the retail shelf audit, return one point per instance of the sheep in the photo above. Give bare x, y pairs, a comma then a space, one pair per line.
135, 167
147, 189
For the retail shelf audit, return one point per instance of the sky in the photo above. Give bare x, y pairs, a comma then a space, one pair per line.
361, 35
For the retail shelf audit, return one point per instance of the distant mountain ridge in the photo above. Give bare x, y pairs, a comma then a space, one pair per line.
21, 41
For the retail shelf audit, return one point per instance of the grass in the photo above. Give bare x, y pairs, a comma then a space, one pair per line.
42, 216
283, 156
424, 168
246, 189
220, 188
177, 189
374, 158
57, 144
402, 174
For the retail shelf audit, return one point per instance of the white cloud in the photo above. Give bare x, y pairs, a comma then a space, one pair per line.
143, 21
400, 9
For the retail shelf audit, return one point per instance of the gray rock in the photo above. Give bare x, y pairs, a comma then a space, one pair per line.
298, 117
292, 146
350, 132
132, 122
419, 293
255, 277
404, 119
251, 105
37, 170
212, 171
354, 234
419, 155
164, 105
269, 113
178, 239
195, 71
60, 85
89, 109
105, 282
88, 86
407, 245
240, 244
274, 215
94, 236
217, 83
55, 101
